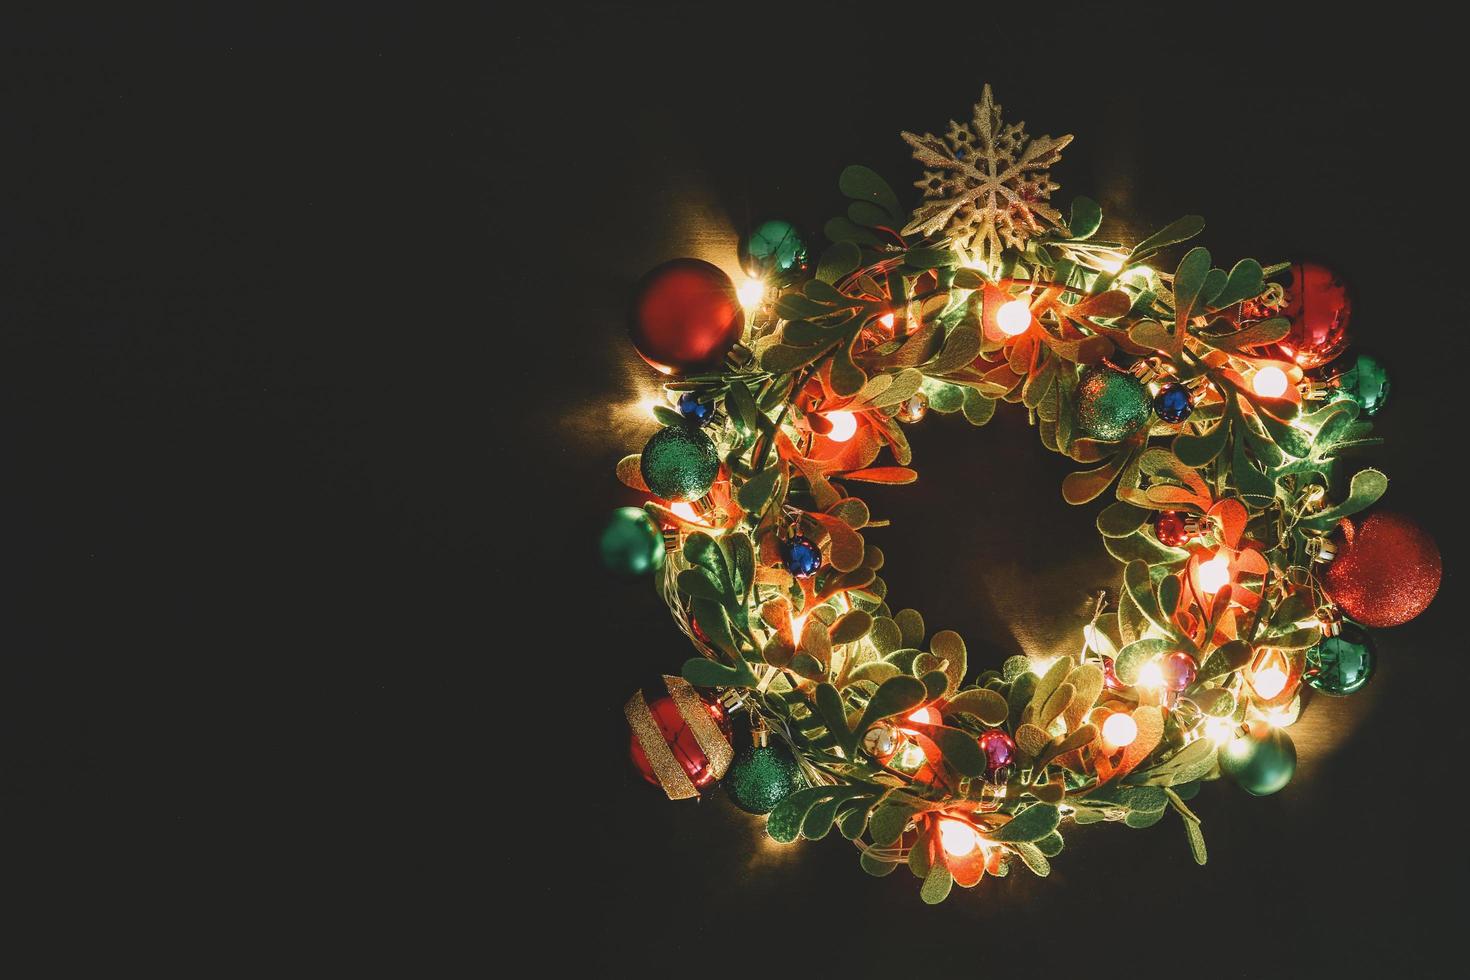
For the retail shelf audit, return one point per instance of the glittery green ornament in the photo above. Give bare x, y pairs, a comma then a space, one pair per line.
1261, 760
1111, 405
630, 544
761, 776
679, 463
774, 249
1341, 665
1366, 383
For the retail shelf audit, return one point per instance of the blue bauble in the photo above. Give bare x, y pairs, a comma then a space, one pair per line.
1173, 403
801, 556
695, 410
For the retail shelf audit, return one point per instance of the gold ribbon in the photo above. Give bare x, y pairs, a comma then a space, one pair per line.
666, 769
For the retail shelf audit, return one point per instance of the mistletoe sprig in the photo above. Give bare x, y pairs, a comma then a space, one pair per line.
888, 724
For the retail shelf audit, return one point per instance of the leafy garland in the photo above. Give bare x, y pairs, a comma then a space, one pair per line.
886, 324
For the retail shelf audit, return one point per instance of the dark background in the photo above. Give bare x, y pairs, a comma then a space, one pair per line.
313, 384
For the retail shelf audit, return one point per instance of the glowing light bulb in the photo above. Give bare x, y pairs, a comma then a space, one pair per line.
685, 510
1219, 730
888, 320
957, 837
1150, 674
1214, 574
844, 426
926, 716
1014, 317
798, 623
1119, 730
751, 292
1110, 264
1269, 681
1269, 382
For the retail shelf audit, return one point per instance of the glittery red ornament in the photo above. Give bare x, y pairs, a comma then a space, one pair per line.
1386, 572
1318, 306
680, 740
685, 316
1170, 530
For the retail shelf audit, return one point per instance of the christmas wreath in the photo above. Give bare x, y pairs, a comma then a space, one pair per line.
1212, 400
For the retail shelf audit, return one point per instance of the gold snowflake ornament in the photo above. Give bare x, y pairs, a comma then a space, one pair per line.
990, 185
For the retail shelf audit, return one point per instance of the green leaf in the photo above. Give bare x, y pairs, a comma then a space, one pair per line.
1225, 658
1198, 450
1246, 282
864, 184
1033, 858
846, 230
1367, 486
1189, 284
702, 672
887, 823
833, 714
1120, 519
1032, 824
697, 582
960, 749
1085, 219
936, 886
894, 696
1133, 656
983, 703
1180, 231
1140, 589
756, 492
911, 626
1196, 841
1051, 844
840, 259
847, 378
851, 627
740, 405
876, 867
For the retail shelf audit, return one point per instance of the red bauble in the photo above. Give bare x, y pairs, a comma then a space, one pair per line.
1386, 572
680, 740
1170, 529
1318, 306
685, 316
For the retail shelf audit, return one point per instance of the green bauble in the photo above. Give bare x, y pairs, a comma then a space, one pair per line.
630, 543
1111, 405
773, 250
1366, 383
1261, 761
761, 776
679, 463
1341, 665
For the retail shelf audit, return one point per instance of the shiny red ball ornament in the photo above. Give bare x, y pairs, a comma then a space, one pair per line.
1319, 307
679, 740
685, 316
1110, 677
1386, 571
1170, 529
